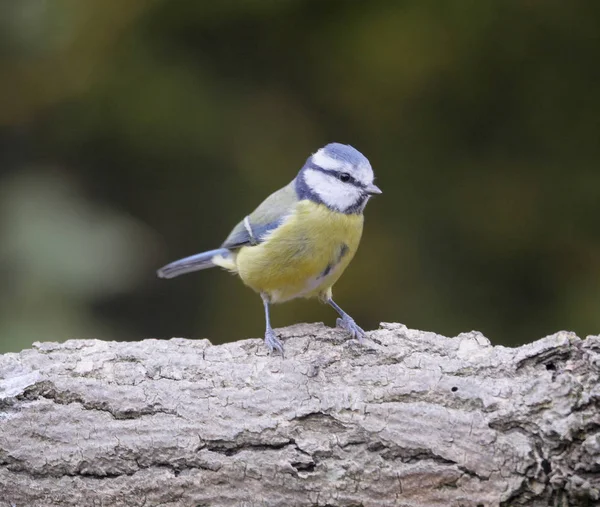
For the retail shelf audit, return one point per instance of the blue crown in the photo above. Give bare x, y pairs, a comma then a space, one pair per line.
346, 153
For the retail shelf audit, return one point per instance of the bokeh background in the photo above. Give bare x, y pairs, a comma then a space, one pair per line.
136, 132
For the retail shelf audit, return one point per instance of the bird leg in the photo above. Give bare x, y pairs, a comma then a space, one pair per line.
271, 340
346, 322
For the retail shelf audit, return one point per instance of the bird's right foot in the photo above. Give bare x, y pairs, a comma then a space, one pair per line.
347, 323
272, 342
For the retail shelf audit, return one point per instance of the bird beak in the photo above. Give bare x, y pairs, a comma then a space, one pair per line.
373, 189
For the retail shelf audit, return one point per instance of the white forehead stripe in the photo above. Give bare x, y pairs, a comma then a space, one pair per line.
324, 161
364, 173
331, 191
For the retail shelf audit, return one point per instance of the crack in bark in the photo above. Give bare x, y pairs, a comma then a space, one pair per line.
228, 448
46, 390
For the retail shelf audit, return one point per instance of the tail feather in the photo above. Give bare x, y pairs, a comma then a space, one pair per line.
196, 262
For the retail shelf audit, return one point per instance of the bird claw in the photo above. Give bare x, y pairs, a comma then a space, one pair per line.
272, 342
352, 327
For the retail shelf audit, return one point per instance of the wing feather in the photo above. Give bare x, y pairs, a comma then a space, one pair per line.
271, 213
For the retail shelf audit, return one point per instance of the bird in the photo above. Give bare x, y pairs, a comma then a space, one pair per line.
300, 239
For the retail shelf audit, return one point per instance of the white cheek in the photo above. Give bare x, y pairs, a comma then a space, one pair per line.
332, 191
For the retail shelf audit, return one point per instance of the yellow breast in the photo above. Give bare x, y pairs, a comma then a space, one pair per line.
303, 257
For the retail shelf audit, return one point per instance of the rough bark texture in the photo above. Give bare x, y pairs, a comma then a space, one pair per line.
411, 419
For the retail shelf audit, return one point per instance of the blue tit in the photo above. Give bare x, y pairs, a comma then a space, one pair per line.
300, 240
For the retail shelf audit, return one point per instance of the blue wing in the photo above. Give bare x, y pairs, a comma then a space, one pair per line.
251, 231
264, 219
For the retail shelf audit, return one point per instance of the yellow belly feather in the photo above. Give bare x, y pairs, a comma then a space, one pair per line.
294, 260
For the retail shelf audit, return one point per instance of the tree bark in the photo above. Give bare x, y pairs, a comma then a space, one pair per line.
410, 418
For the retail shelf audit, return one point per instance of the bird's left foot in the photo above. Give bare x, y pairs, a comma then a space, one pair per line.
347, 323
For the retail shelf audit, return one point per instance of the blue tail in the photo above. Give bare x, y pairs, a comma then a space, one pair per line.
193, 263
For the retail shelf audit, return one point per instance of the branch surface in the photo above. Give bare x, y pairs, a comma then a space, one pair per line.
411, 418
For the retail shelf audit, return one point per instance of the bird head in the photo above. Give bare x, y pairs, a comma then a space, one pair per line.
338, 176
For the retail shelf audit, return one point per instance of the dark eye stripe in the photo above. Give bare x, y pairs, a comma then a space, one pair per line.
350, 179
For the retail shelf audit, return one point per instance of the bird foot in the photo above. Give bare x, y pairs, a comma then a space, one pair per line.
347, 323
272, 342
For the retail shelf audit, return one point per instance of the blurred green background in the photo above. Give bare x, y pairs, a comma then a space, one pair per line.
136, 132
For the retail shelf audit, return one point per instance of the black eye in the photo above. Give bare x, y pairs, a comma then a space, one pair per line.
345, 177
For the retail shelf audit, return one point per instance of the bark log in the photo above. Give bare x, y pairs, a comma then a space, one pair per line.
410, 419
